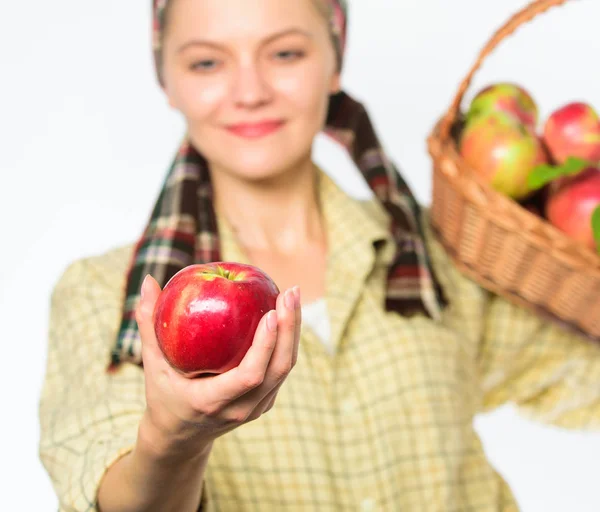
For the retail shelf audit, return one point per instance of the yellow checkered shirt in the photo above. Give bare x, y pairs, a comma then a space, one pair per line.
385, 424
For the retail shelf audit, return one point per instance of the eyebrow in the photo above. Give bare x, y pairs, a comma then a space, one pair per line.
205, 42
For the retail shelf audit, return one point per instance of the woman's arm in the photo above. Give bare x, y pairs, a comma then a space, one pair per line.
551, 374
136, 430
88, 419
147, 479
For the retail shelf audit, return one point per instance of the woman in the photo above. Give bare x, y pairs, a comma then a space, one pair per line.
371, 397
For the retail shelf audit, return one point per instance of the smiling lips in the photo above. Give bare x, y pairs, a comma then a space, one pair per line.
255, 130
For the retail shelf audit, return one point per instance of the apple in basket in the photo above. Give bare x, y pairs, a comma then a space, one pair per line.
505, 97
573, 131
573, 206
503, 151
206, 315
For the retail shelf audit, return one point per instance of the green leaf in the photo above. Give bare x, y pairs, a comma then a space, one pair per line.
596, 227
542, 175
545, 173
574, 165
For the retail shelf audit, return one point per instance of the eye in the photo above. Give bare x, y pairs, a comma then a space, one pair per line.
204, 65
289, 55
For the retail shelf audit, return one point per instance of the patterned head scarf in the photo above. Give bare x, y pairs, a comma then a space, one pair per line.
182, 228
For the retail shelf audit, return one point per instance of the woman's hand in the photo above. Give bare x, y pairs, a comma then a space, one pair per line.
183, 415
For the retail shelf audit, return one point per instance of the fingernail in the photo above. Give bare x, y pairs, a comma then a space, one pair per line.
272, 321
289, 300
144, 286
297, 295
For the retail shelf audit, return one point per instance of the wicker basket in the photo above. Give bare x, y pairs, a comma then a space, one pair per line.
496, 241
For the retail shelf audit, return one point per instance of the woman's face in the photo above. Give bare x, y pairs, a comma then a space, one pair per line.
252, 79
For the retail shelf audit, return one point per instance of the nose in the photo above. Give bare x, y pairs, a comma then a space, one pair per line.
250, 88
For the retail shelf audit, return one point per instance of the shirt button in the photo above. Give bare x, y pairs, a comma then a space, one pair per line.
367, 505
349, 406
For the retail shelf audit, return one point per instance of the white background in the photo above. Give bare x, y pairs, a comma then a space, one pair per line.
86, 138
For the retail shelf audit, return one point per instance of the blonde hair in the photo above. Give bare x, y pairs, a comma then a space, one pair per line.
325, 8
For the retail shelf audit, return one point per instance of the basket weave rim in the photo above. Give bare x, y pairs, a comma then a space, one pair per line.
536, 229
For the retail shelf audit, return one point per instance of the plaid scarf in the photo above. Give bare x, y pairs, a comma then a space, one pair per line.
182, 229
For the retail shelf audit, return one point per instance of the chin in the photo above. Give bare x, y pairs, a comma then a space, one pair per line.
257, 170
258, 159
260, 164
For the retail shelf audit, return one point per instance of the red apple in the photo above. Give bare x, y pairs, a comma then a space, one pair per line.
573, 130
503, 151
206, 315
571, 202
508, 98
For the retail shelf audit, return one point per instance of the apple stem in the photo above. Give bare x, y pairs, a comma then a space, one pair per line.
227, 274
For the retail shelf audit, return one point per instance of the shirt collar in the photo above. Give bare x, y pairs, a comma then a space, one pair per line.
354, 226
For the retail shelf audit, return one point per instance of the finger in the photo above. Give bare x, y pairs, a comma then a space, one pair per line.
297, 332
256, 400
265, 405
250, 373
271, 404
144, 313
281, 361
